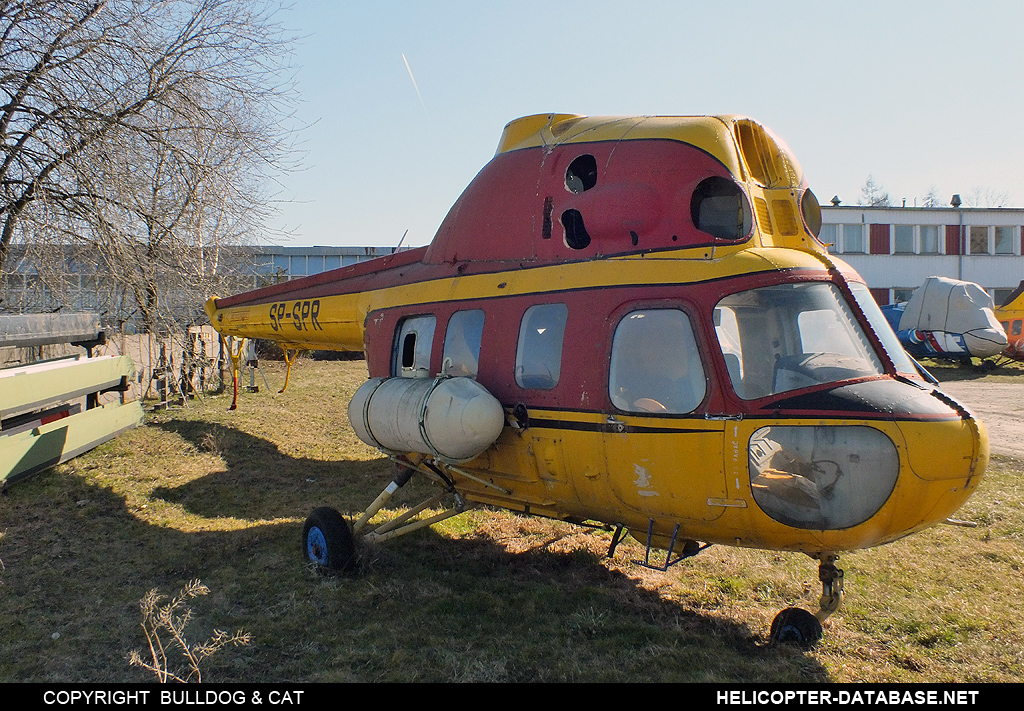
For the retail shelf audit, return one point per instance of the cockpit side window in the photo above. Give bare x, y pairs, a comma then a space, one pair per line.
791, 336
655, 365
414, 338
539, 353
883, 330
462, 343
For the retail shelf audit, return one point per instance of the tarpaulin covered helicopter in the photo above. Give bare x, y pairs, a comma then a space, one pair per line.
630, 322
948, 319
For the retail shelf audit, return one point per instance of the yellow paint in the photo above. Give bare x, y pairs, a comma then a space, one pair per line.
713, 503
342, 317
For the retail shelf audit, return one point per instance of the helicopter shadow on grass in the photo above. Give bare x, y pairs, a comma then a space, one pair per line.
260, 482
571, 593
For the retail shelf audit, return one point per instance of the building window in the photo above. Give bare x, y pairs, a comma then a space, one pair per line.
903, 239
314, 263
539, 353
853, 239
999, 296
979, 240
462, 343
1004, 240
655, 365
901, 295
829, 236
929, 239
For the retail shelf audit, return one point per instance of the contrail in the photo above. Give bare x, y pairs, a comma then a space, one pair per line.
414, 86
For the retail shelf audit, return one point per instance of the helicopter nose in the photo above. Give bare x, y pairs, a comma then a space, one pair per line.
950, 450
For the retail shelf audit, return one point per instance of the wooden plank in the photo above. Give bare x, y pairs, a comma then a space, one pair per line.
38, 449
31, 387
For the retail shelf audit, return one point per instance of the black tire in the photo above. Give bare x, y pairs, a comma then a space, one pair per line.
327, 541
795, 626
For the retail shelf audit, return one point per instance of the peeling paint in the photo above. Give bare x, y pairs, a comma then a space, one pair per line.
643, 480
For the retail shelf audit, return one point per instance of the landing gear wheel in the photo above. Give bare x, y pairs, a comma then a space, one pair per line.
795, 626
327, 541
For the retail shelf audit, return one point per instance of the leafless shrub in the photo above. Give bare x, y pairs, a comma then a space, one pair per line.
164, 626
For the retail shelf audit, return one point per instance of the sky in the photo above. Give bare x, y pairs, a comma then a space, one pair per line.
402, 103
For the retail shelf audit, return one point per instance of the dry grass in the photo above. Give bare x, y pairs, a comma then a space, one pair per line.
488, 596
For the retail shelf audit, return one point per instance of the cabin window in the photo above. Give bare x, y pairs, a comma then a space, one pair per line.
413, 341
823, 477
720, 208
879, 324
811, 211
462, 343
790, 336
539, 353
581, 175
1015, 331
655, 365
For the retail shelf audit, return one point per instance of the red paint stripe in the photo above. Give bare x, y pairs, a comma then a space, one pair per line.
333, 280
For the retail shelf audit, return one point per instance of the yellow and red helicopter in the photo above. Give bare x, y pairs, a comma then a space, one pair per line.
630, 322
1011, 317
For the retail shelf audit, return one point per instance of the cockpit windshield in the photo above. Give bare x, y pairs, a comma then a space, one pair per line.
790, 336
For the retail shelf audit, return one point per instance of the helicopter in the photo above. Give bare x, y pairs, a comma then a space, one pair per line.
1010, 315
948, 319
629, 323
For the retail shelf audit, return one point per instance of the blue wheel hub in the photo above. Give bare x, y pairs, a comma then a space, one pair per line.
316, 546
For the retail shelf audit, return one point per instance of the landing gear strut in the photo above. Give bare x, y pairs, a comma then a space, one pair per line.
797, 626
329, 542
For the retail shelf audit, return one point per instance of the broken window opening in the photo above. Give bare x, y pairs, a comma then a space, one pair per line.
576, 236
414, 340
408, 350
581, 175
720, 208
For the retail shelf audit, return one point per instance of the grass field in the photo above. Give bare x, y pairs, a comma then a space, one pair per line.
203, 493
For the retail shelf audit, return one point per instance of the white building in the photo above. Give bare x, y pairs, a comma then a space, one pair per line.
896, 248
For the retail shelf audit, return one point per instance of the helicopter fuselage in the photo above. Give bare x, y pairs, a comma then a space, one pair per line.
674, 351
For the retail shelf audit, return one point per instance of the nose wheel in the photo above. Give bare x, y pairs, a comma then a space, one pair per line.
796, 626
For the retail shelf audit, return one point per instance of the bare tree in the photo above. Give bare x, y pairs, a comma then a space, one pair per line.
873, 194
987, 197
147, 128
932, 199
